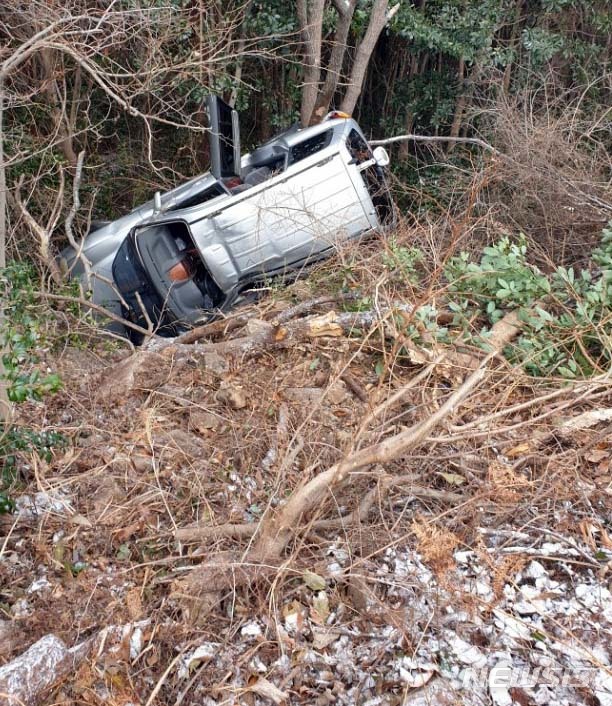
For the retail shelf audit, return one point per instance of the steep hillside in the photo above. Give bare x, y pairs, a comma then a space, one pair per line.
339, 494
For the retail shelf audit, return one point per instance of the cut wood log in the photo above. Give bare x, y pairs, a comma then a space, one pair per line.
276, 335
263, 336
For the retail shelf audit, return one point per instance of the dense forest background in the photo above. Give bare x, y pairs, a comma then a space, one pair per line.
125, 83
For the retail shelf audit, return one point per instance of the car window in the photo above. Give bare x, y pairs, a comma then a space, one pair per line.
374, 179
201, 197
310, 146
359, 149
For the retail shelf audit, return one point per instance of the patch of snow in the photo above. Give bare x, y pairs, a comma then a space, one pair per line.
136, 643
32, 506
206, 652
464, 557
39, 585
534, 570
510, 626
257, 665
252, 629
334, 569
21, 608
467, 653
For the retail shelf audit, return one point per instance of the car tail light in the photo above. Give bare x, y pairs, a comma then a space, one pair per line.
180, 272
338, 114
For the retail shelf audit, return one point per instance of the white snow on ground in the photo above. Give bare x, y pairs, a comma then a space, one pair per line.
544, 636
31, 506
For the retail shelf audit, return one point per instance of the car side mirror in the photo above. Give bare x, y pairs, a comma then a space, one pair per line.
157, 203
381, 156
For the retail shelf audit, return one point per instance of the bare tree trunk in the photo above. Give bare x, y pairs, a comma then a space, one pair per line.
378, 19
336, 59
58, 107
467, 90
310, 15
5, 405
240, 48
265, 120
460, 104
404, 148
512, 44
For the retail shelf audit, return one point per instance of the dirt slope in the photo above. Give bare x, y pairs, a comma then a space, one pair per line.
444, 575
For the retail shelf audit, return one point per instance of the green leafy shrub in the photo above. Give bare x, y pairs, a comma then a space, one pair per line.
22, 440
22, 333
571, 337
502, 280
567, 315
403, 260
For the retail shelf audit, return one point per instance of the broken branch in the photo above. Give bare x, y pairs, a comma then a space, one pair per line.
278, 529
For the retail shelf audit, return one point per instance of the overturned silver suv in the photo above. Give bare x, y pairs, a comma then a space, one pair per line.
188, 255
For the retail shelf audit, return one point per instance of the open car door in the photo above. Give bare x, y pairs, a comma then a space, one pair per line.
224, 138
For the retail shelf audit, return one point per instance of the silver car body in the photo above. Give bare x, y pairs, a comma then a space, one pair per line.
320, 191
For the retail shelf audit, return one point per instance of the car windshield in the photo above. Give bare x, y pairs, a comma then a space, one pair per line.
309, 146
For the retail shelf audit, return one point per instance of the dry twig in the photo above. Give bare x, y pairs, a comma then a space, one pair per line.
280, 526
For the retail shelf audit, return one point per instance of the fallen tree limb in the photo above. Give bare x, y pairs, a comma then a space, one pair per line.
539, 437
306, 307
438, 138
266, 336
226, 325
278, 528
148, 364
213, 328
246, 530
275, 335
565, 430
391, 401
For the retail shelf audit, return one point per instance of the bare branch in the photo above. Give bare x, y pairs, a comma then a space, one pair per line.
427, 138
76, 204
42, 235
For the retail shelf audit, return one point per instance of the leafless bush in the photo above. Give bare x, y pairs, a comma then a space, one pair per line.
551, 178
106, 80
